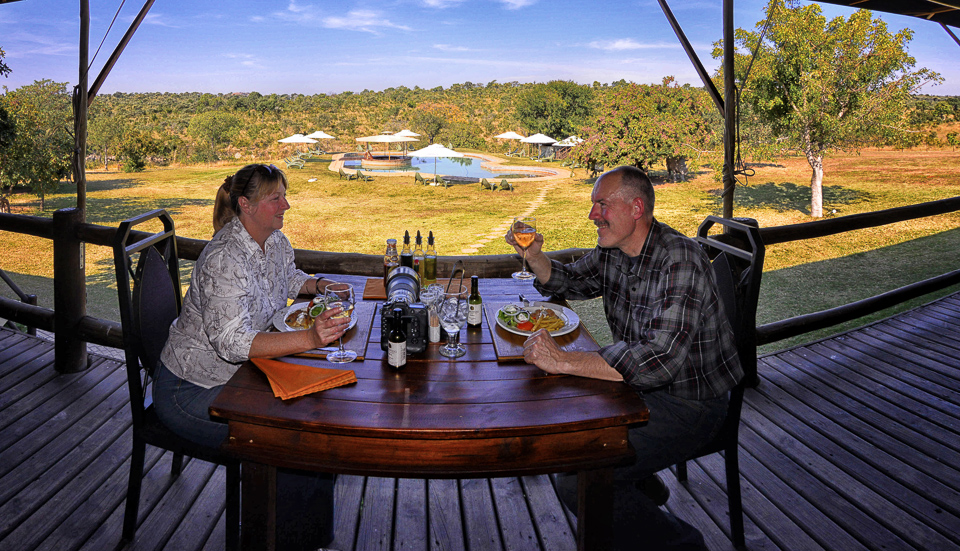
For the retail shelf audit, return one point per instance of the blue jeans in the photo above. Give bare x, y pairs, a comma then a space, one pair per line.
676, 430
185, 408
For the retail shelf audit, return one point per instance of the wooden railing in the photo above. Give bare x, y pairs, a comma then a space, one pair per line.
806, 323
73, 328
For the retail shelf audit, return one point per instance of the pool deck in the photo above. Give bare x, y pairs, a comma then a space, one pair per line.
487, 162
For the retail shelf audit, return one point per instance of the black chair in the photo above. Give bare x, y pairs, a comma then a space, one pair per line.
150, 299
738, 265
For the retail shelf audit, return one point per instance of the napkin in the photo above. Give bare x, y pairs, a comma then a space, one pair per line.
290, 380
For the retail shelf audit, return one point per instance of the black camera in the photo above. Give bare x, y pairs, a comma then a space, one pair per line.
403, 289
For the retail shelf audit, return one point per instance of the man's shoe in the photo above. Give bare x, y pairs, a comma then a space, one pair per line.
654, 488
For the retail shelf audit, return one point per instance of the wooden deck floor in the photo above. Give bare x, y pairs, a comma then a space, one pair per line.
849, 443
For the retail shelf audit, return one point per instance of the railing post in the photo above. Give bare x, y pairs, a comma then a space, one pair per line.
69, 292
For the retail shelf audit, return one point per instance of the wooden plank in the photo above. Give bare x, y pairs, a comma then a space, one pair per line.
66, 432
20, 353
410, 531
199, 521
57, 412
548, 515
171, 511
516, 526
444, 511
33, 369
480, 518
348, 496
687, 501
706, 486
98, 507
835, 472
792, 489
65, 456
56, 507
376, 519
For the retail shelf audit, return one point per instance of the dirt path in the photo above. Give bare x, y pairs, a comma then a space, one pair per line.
501, 230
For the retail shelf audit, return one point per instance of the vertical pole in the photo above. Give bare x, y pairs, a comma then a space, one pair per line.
729, 111
80, 111
69, 292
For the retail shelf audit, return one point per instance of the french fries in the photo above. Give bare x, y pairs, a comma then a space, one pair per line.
546, 318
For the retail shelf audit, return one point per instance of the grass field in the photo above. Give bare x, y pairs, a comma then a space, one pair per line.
335, 215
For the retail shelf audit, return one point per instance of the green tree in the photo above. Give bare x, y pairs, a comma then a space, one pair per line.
558, 108
828, 85
40, 153
641, 125
4, 68
135, 147
104, 134
212, 129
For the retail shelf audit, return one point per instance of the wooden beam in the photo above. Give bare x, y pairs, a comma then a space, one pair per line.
707, 83
116, 53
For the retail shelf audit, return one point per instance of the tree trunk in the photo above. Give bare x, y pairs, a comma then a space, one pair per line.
816, 185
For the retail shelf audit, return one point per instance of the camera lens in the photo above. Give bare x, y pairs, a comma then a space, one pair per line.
403, 285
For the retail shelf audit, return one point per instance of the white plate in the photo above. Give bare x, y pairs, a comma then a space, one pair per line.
570, 318
280, 318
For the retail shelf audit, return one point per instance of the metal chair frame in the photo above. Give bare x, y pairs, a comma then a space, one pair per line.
157, 253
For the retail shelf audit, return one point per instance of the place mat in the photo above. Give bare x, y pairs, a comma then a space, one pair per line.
290, 380
355, 339
509, 346
374, 290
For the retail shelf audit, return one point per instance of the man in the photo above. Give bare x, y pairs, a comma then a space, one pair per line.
672, 341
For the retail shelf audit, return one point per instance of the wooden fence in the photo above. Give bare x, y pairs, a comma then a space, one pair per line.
73, 328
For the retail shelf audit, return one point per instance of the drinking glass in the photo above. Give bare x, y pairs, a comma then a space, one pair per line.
340, 295
524, 232
453, 314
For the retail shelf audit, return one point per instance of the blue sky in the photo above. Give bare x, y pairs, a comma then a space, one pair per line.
330, 46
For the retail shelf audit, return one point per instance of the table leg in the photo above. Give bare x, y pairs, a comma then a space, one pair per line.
258, 506
594, 509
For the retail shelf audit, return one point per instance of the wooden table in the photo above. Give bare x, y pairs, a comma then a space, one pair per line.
437, 418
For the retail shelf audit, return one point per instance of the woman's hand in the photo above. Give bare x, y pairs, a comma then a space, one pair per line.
327, 329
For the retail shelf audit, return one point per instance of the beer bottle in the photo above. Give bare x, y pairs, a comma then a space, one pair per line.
397, 342
418, 256
390, 259
475, 314
430, 262
406, 256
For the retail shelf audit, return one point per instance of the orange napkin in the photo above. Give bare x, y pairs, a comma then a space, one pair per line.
289, 380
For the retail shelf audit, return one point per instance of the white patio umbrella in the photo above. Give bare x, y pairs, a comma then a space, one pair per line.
320, 135
511, 135
436, 151
297, 138
386, 139
408, 134
539, 139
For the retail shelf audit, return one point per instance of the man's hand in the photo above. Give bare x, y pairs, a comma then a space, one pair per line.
542, 351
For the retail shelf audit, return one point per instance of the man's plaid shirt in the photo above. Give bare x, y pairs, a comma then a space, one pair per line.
668, 324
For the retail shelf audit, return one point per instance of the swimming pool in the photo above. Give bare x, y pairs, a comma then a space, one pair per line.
456, 167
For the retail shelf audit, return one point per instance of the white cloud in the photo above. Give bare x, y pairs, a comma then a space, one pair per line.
246, 60
449, 48
623, 44
517, 4
441, 4
158, 19
361, 20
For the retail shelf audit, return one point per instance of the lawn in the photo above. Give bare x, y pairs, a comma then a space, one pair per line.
346, 216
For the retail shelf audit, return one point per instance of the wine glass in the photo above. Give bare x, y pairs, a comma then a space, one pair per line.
340, 295
524, 232
453, 314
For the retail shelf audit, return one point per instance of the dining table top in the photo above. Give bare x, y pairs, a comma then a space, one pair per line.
483, 414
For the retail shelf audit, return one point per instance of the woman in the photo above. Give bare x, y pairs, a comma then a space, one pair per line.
242, 278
